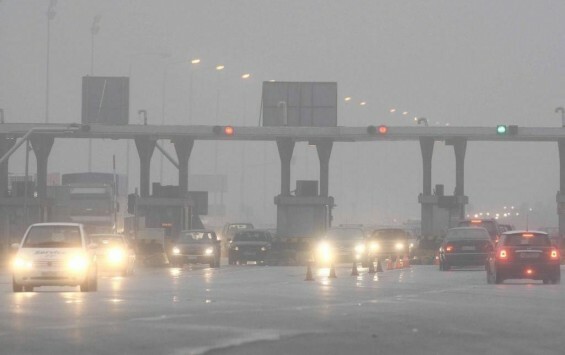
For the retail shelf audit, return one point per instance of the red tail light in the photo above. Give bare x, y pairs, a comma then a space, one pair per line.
503, 254
449, 248
554, 254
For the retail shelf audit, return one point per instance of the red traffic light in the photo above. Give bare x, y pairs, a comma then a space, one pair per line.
228, 130
225, 130
382, 129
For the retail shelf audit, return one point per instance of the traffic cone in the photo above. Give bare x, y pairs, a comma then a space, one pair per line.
379, 266
309, 276
332, 272
398, 263
371, 267
354, 271
406, 262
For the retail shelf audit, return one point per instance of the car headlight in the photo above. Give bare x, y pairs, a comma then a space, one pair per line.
374, 246
22, 264
176, 251
359, 248
399, 246
263, 248
209, 251
325, 251
115, 255
77, 263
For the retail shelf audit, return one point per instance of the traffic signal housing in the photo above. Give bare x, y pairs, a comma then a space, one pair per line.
503, 130
224, 130
380, 130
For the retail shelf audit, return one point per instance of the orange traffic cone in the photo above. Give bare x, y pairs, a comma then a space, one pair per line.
309, 276
379, 266
398, 263
332, 272
371, 267
354, 271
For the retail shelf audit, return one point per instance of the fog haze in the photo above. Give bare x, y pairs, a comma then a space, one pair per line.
457, 63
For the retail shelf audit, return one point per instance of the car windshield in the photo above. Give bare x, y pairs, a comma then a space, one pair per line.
103, 241
390, 234
527, 239
467, 233
250, 237
53, 237
490, 226
200, 237
237, 227
344, 234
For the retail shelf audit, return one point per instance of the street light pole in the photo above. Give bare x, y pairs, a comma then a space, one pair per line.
94, 29
50, 16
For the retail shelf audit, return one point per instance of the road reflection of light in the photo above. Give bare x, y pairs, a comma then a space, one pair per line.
208, 273
323, 272
208, 301
117, 284
115, 300
175, 272
376, 277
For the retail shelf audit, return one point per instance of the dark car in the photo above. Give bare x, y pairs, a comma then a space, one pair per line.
388, 242
250, 245
114, 253
464, 246
340, 244
196, 247
490, 224
524, 255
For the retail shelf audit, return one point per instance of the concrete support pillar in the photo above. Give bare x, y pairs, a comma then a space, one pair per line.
427, 148
286, 148
324, 152
460, 147
145, 147
561, 193
42, 145
183, 147
5, 145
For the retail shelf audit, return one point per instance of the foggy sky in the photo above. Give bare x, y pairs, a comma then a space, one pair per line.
462, 63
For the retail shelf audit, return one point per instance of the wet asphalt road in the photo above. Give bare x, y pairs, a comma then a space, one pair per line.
272, 310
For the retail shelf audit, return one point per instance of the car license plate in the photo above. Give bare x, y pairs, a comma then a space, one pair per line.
529, 255
49, 274
249, 253
191, 257
468, 248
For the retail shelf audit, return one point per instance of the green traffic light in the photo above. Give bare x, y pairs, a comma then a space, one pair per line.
501, 129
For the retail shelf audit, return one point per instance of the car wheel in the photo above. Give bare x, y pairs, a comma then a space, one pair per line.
446, 266
556, 279
93, 287
84, 287
28, 288
546, 281
497, 278
490, 277
16, 287
217, 264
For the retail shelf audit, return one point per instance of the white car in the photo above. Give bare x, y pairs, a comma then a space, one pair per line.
55, 254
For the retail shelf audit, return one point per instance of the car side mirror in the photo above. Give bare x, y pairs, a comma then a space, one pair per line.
15, 245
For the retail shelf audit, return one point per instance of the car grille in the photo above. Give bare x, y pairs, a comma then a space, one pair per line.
49, 263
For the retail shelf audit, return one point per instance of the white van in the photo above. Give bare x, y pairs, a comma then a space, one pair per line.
55, 254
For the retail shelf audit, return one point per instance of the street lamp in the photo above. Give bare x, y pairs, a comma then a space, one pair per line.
193, 62
94, 29
243, 209
50, 16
